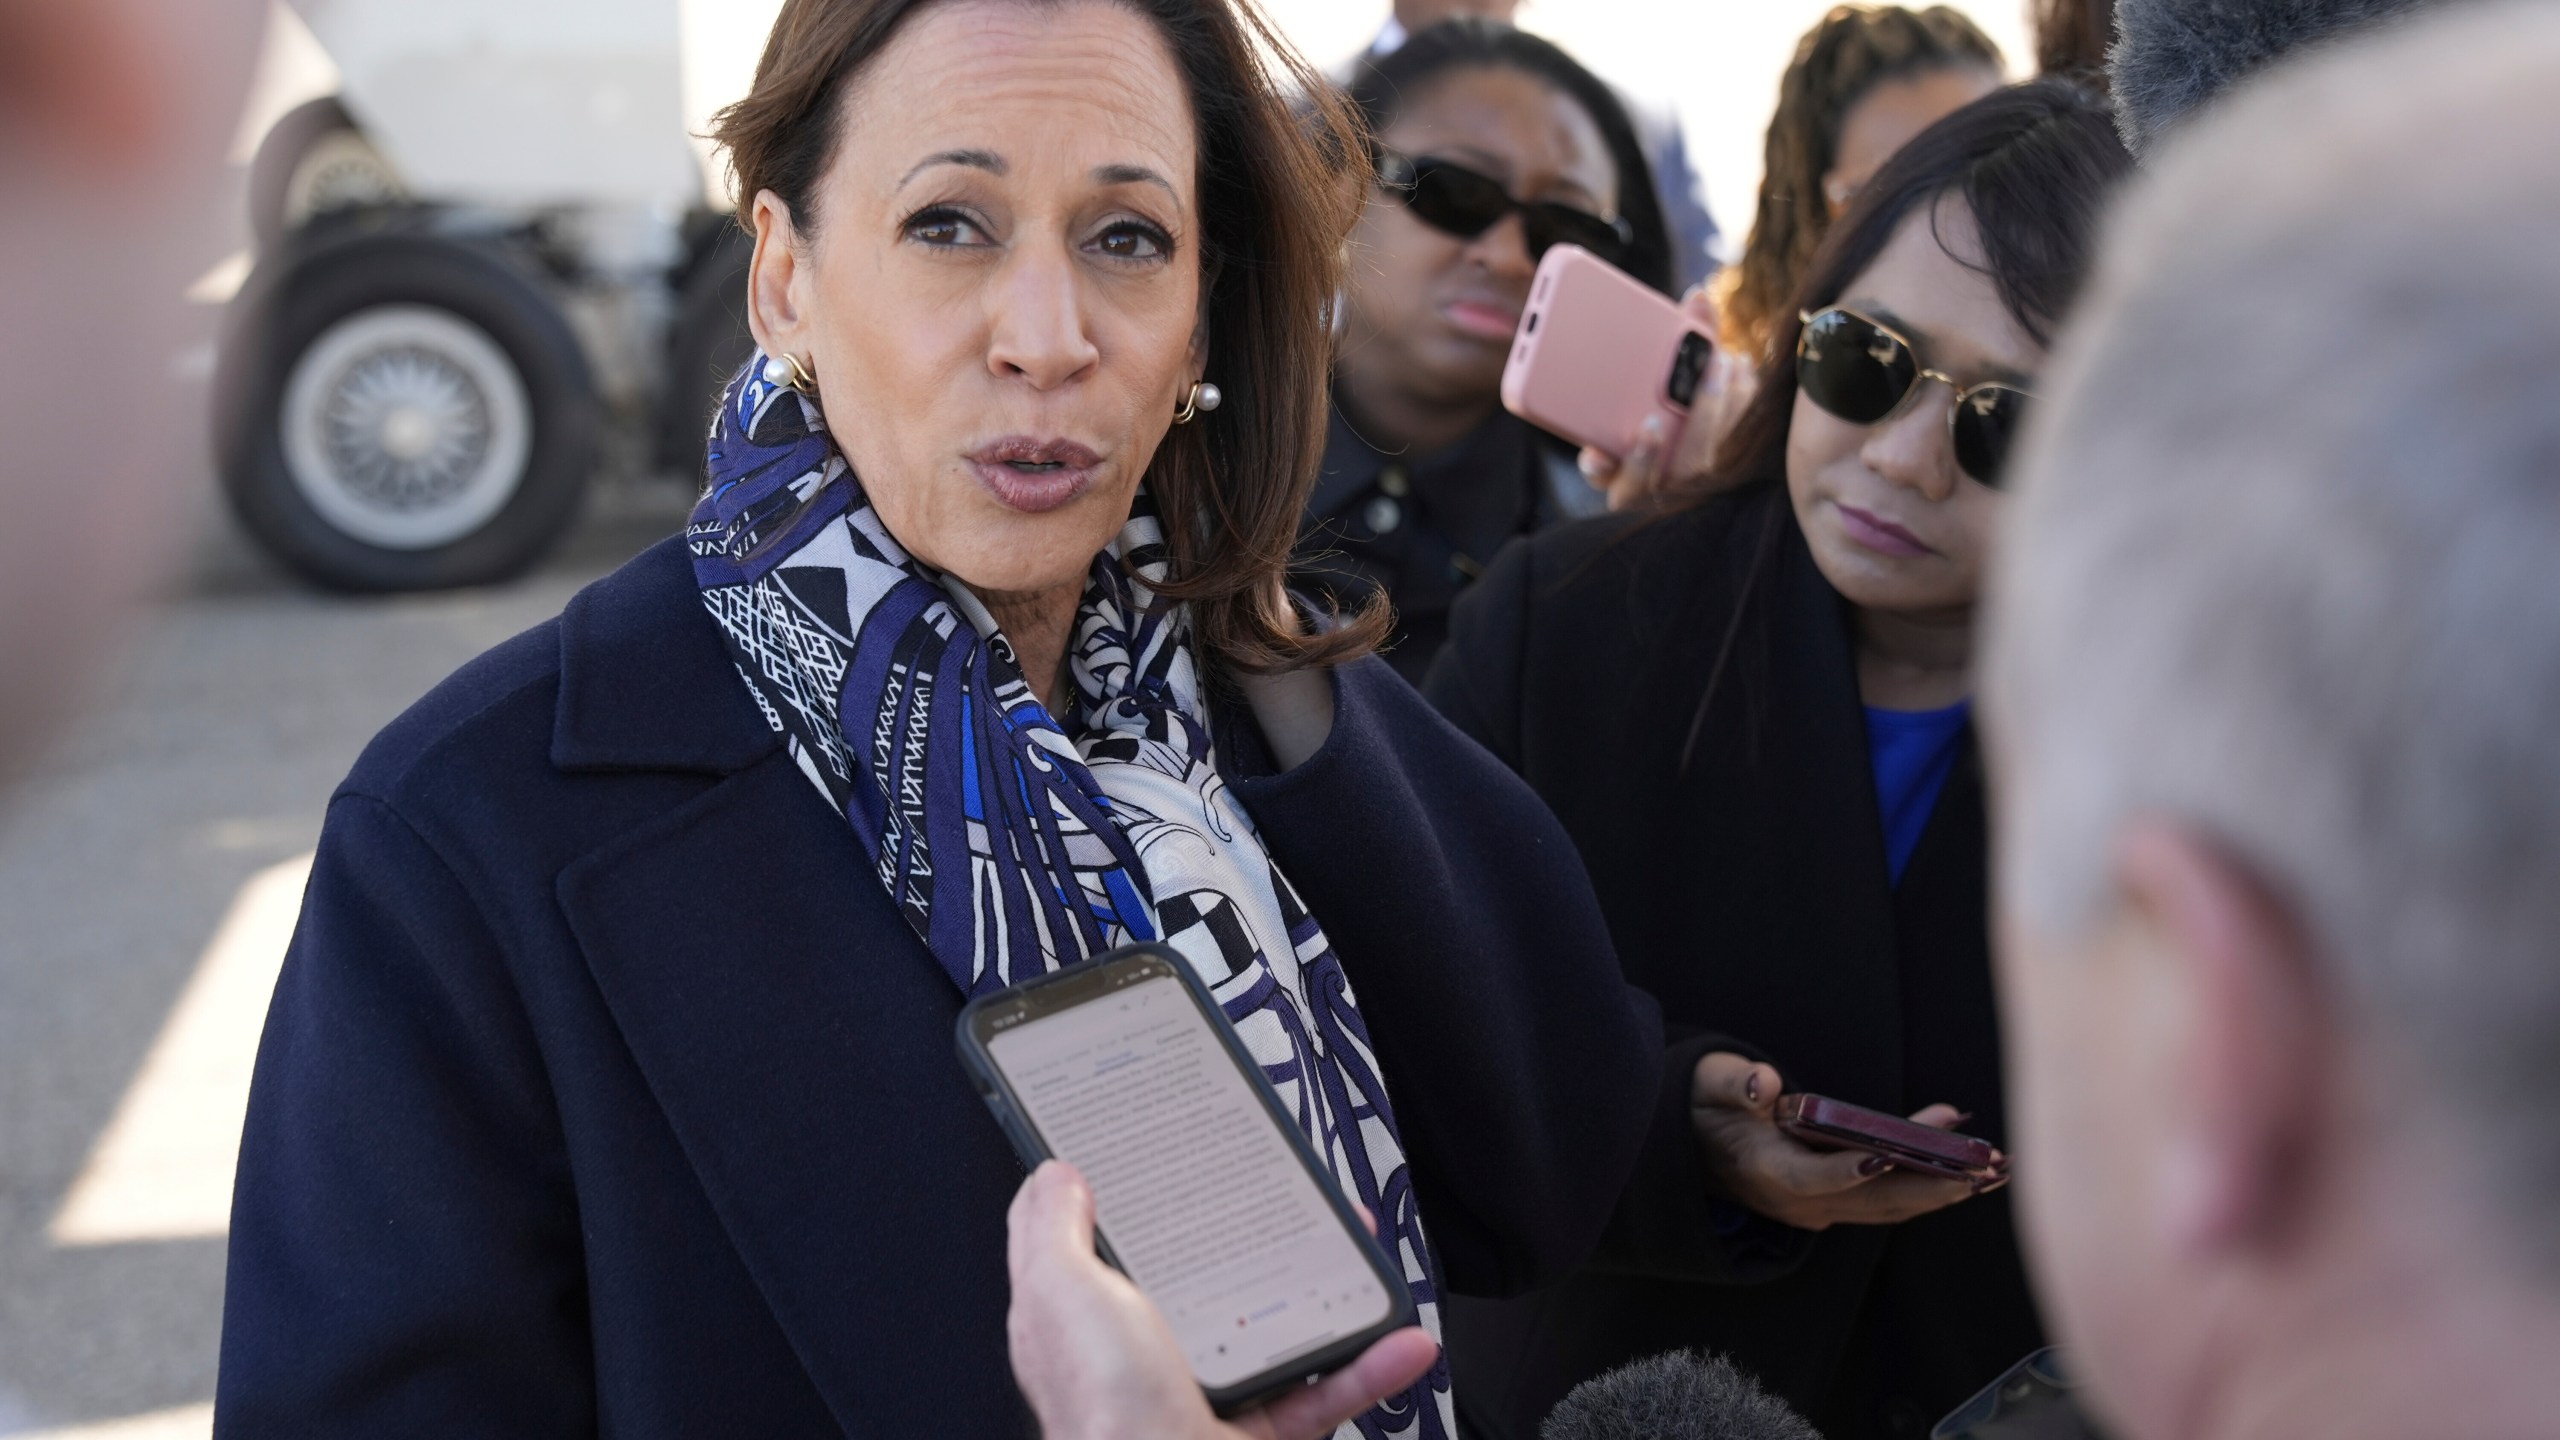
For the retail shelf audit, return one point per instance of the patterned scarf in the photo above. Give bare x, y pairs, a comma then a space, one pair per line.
1015, 844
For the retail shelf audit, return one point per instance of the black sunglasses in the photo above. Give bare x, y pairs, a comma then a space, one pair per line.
1451, 198
1861, 371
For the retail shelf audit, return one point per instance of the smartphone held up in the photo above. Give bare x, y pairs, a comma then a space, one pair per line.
1599, 352
1205, 1193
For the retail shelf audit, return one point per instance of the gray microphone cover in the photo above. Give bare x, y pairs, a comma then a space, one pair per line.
1684, 1395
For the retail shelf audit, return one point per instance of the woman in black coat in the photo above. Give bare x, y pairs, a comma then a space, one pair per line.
609, 1085
1751, 714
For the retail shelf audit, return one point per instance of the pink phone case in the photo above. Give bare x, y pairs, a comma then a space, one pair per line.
1597, 352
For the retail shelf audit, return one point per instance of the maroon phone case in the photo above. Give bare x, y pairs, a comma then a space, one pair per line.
1829, 1124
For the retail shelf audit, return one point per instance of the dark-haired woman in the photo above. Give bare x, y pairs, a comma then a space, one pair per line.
1864, 80
1752, 714
1493, 145
609, 1086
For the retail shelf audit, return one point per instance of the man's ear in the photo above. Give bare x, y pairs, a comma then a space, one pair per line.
776, 281
2252, 1035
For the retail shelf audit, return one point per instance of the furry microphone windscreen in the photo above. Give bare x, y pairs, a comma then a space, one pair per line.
1680, 1396
2171, 56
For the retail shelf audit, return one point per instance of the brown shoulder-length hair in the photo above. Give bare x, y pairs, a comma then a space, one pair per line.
1277, 152
1840, 61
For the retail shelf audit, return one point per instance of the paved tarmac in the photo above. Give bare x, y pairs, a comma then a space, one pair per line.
147, 879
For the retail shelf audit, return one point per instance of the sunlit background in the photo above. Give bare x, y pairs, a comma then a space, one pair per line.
1716, 61
150, 877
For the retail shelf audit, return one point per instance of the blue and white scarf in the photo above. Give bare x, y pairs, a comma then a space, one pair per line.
1015, 844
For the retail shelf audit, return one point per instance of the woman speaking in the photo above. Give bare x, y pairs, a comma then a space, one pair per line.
609, 1086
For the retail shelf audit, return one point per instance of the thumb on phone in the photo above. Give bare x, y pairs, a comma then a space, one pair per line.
1700, 307
1640, 471
1736, 1082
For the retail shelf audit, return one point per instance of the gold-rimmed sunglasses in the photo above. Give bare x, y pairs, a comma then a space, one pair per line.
1861, 370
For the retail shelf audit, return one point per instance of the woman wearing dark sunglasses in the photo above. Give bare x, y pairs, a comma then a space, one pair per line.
1492, 147
1751, 712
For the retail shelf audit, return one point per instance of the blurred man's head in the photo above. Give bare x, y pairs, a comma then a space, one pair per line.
2172, 56
2274, 693
114, 116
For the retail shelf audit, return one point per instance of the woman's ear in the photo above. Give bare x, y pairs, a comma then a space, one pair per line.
1196, 368
776, 285
1837, 192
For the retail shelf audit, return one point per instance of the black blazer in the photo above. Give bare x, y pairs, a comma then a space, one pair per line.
605, 1092
1749, 893
1419, 529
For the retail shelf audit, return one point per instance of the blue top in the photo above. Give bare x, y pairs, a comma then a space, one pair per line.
1913, 751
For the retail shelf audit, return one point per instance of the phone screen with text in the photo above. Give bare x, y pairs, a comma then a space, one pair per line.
1202, 1198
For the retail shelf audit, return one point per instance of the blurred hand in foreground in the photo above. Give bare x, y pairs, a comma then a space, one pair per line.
1645, 470
1097, 1361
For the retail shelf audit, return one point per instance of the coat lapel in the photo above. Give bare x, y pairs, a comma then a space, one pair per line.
1784, 798
793, 1029
799, 1039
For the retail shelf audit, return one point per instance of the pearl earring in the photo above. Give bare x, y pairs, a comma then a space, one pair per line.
1201, 396
786, 371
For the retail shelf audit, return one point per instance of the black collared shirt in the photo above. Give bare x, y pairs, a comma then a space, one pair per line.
1422, 527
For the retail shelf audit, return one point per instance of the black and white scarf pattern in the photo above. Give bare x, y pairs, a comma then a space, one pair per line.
1013, 843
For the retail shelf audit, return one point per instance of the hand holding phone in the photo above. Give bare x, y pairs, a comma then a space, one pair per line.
1095, 1358
1733, 1108
1827, 1124
1205, 1193
1599, 353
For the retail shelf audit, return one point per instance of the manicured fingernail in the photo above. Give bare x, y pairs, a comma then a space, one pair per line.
1874, 1165
1589, 464
1751, 1087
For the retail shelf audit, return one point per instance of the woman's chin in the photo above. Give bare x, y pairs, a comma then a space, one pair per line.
1032, 555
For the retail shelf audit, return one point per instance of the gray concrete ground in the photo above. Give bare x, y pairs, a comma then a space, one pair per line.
237, 711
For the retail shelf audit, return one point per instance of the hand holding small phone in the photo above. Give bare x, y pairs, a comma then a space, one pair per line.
1096, 1358
1734, 1106
1253, 1263
1599, 356
1654, 465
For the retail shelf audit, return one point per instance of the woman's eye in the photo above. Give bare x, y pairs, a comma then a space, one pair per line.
1132, 241
944, 227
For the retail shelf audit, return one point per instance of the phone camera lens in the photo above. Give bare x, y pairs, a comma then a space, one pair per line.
1688, 367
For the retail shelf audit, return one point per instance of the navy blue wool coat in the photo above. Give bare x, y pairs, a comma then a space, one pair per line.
604, 1091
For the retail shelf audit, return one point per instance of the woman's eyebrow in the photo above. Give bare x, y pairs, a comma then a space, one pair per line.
1491, 164
1125, 174
986, 160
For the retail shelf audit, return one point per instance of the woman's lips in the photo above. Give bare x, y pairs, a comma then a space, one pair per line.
1484, 318
1879, 534
1035, 475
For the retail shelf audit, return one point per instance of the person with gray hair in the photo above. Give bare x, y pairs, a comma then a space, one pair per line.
2274, 652
2170, 57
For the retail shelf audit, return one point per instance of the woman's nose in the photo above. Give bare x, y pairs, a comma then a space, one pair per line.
1504, 248
1036, 317
1911, 447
